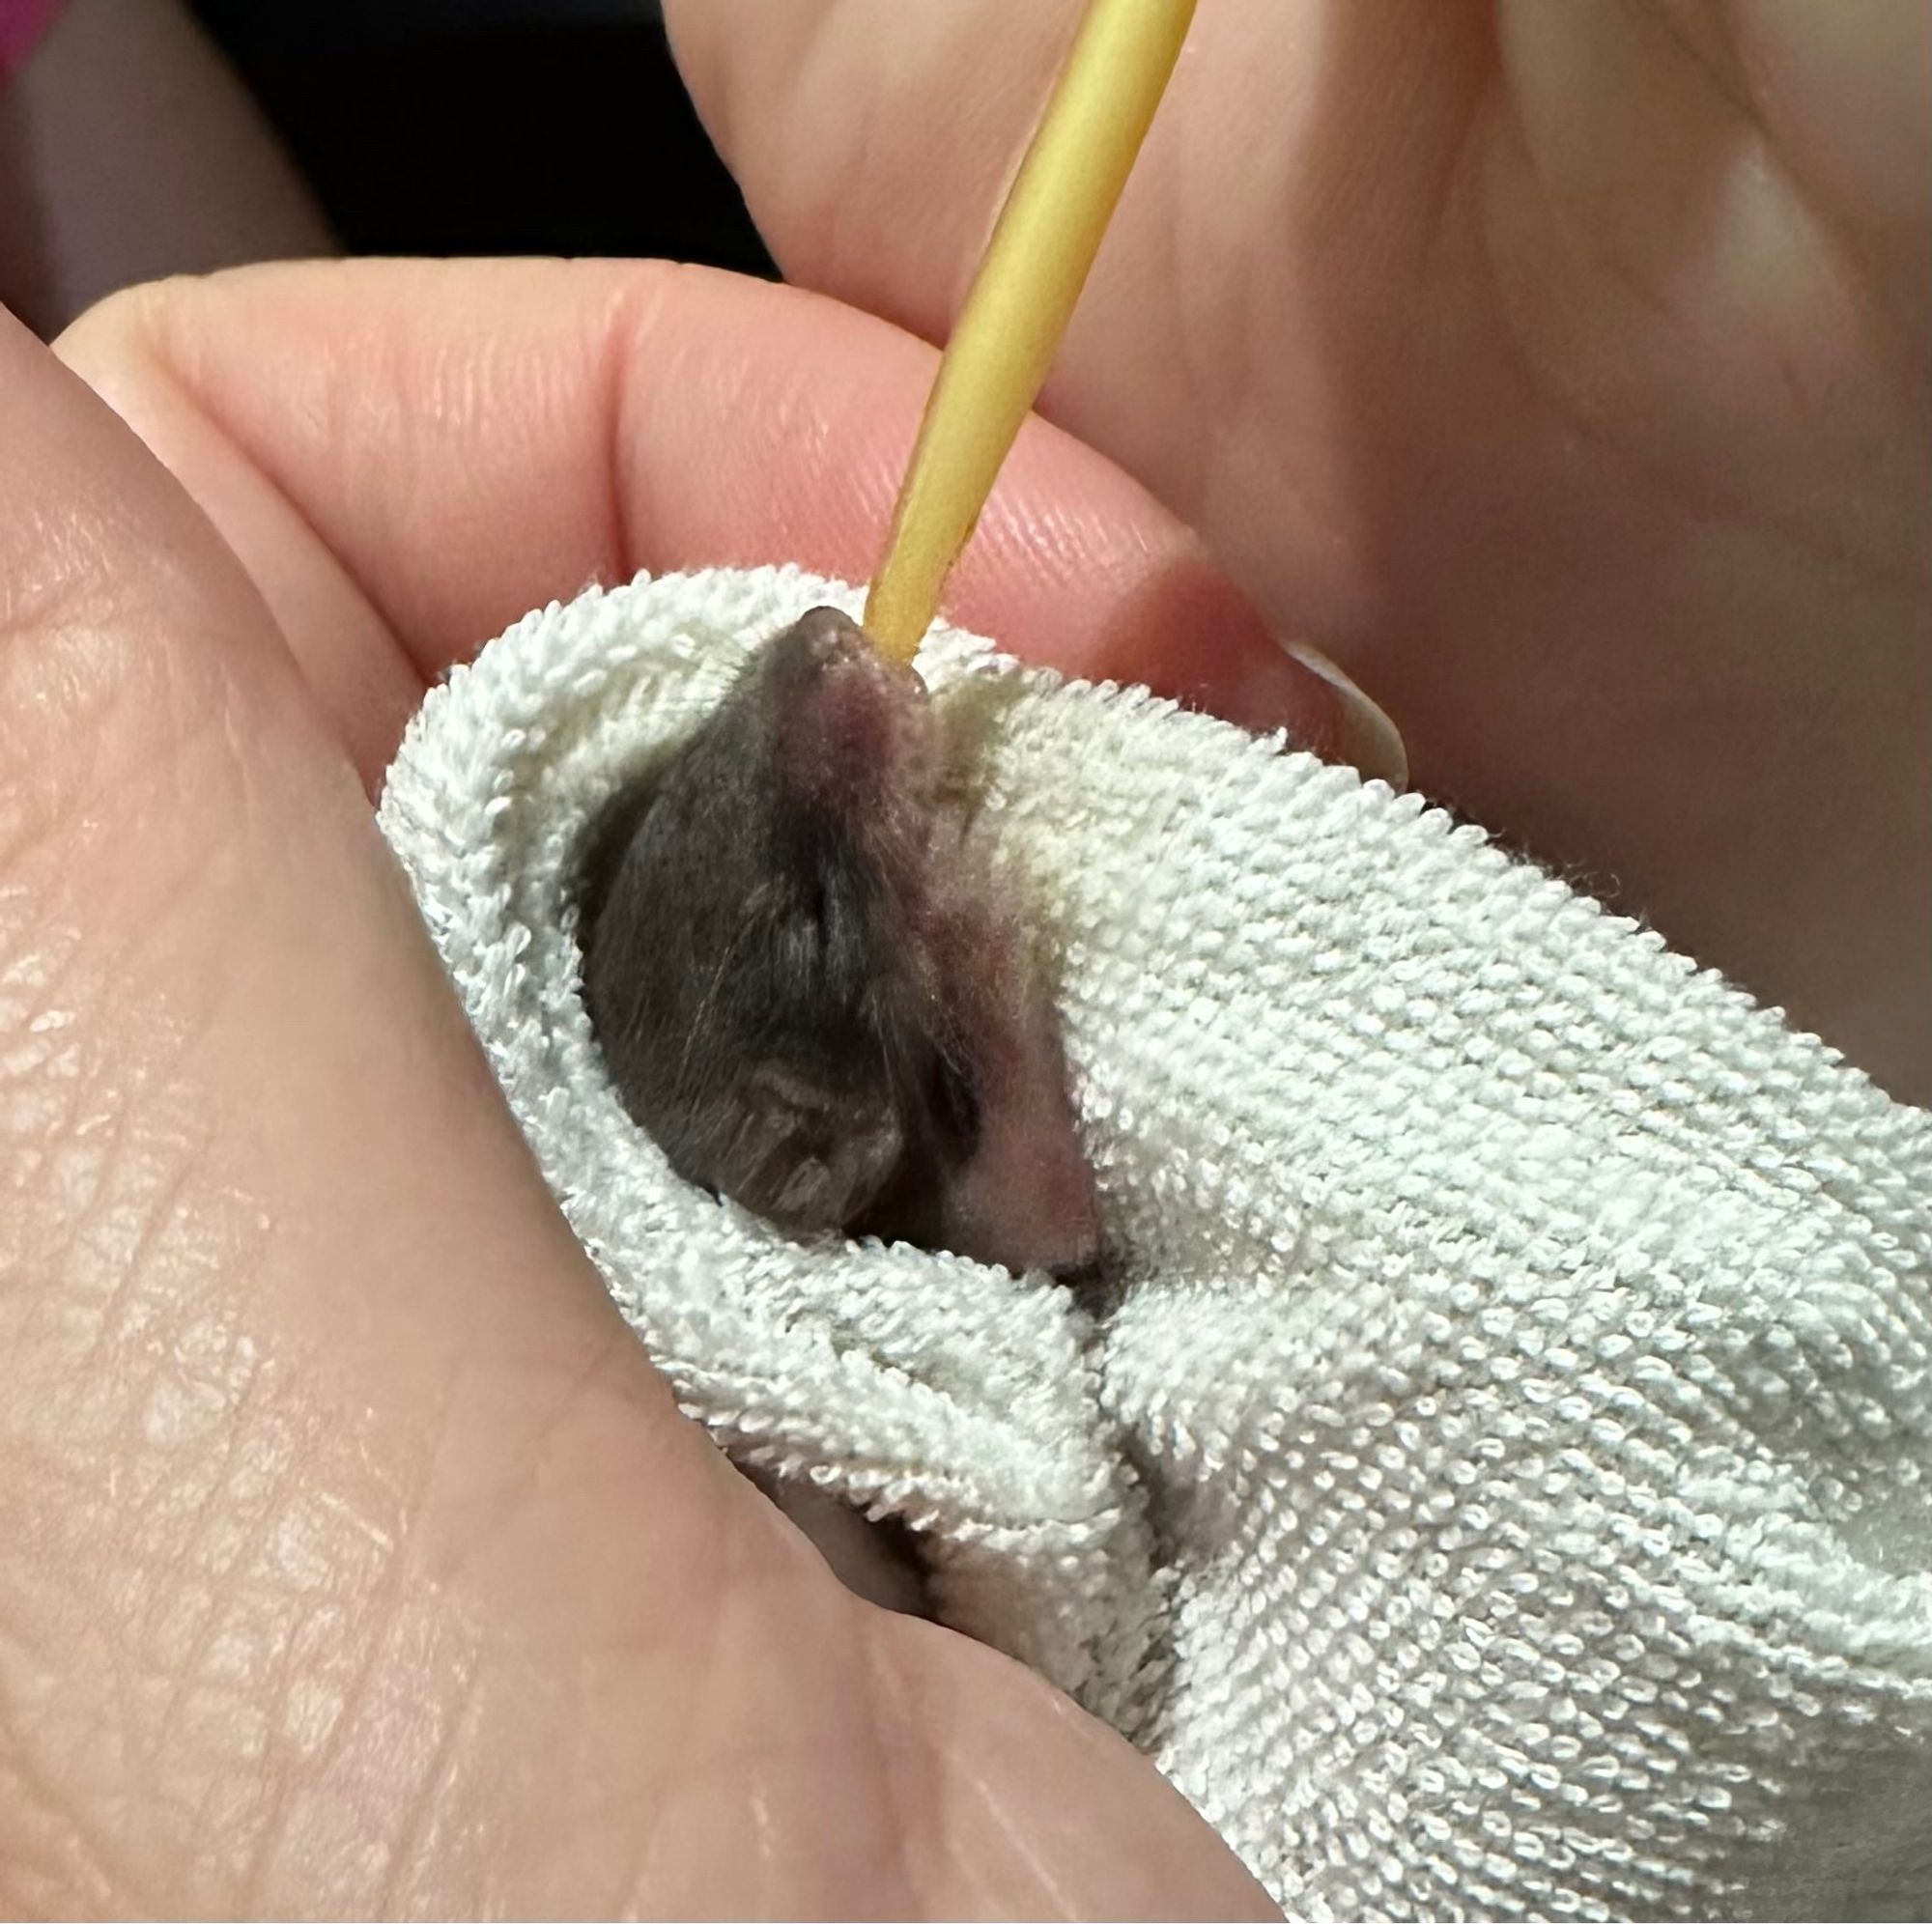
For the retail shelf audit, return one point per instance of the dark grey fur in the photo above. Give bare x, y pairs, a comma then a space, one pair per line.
746, 960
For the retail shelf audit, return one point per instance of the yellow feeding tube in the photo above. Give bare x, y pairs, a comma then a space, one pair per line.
1021, 299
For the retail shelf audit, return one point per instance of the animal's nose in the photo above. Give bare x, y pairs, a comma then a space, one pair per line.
830, 636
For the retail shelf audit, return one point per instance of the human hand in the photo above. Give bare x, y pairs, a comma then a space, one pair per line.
352, 1557
1561, 370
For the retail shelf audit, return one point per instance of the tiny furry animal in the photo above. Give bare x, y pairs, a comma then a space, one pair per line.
807, 985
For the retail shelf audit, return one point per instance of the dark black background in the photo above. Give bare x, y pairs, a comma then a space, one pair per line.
490, 126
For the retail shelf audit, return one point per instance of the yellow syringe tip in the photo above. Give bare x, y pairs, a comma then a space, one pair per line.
1021, 299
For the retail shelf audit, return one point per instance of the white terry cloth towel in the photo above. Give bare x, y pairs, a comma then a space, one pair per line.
1500, 1486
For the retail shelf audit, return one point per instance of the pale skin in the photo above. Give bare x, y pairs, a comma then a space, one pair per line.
352, 1557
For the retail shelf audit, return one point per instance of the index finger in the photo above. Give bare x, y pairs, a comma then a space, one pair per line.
408, 456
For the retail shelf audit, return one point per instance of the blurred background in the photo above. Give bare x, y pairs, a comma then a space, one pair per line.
142, 137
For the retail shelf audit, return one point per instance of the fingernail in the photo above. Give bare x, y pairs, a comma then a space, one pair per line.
1367, 740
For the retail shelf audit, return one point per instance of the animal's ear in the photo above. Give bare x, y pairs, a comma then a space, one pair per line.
806, 1157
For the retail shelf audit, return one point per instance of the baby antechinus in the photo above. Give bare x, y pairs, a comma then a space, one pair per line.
807, 985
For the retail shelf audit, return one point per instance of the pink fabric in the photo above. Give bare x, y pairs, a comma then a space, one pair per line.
21, 25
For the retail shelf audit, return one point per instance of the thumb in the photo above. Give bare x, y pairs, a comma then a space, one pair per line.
330, 1467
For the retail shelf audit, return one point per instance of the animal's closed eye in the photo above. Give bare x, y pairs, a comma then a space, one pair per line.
954, 1102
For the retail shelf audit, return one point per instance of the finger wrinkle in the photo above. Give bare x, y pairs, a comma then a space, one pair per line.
477, 1522
151, 1501
395, 1781
245, 1609
630, 323
413, 1871
53, 1860
101, 728
277, 1608
93, 1027
93, 1480
126, 1243
831, 1829
75, 1151
68, 677
62, 562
